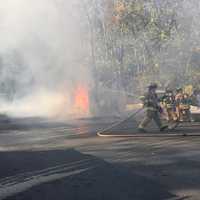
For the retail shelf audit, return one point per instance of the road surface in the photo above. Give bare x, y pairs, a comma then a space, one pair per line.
44, 159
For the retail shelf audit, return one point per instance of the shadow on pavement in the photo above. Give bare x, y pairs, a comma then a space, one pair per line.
68, 174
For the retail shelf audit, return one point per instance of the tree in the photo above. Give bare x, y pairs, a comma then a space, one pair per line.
148, 38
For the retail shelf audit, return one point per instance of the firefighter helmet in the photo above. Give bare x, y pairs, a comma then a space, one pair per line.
153, 86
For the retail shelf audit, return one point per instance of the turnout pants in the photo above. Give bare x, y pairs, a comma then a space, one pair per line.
186, 115
151, 115
171, 115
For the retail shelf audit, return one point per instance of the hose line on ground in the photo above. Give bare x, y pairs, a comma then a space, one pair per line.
105, 132
100, 133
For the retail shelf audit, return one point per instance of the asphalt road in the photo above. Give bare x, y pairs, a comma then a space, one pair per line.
44, 159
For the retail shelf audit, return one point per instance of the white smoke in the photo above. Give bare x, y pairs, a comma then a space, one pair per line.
42, 55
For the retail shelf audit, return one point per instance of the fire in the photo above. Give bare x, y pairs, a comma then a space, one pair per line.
82, 99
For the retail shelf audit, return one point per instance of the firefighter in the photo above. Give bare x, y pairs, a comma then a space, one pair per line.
183, 103
178, 99
168, 101
152, 109
184, 107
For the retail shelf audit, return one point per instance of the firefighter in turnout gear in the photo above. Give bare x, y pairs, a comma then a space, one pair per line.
169, 104
152, 108
178, 99
185, 104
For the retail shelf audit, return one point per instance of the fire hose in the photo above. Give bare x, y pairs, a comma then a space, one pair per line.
106, 132
102, 132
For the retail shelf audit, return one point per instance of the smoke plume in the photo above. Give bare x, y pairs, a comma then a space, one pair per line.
42, 57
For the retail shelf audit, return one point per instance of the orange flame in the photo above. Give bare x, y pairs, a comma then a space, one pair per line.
82, 99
